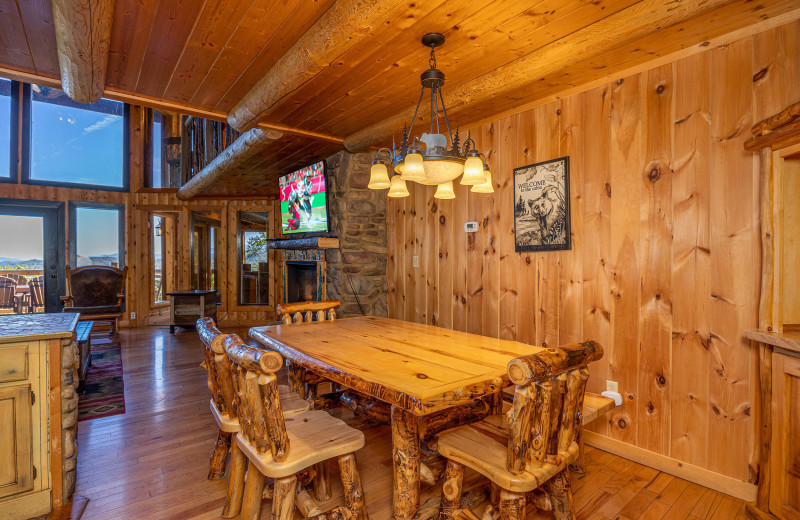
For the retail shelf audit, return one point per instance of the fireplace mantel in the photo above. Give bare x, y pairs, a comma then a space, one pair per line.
305, 243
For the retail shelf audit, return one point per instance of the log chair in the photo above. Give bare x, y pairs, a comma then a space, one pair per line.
527, 451
280, 447
224, 408
301, 380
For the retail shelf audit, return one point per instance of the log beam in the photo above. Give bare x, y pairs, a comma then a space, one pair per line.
83, 34
339, 29
242, 154
637, 21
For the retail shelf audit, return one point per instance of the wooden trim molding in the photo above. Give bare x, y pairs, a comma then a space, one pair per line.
680, 469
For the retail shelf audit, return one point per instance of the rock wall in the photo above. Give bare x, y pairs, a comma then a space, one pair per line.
358, 218
69, 415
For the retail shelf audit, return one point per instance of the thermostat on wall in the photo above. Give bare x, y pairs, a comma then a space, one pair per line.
470, 227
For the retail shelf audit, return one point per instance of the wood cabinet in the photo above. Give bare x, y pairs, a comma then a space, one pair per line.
16, 455
37, 362
784, 499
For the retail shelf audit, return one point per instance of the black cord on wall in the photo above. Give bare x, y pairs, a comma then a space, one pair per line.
347, 271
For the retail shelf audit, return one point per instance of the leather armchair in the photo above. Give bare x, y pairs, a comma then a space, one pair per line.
97, 293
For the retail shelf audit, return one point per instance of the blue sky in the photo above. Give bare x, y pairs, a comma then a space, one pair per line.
70, 144
5, 127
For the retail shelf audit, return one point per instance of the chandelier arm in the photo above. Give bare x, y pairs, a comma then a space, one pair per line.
444, 111
391, 155
413, 119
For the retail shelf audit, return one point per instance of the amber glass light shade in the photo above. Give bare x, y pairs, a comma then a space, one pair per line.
473, 172
445, 191
487, 186
399, 188
378, 177
413, 170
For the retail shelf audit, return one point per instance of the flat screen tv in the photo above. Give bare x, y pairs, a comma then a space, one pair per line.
304, 202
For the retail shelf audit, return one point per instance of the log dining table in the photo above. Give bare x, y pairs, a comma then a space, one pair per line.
417, 369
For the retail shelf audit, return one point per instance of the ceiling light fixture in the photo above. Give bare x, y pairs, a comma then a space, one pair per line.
427, 158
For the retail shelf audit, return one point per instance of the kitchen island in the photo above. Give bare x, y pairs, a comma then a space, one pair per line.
38, 412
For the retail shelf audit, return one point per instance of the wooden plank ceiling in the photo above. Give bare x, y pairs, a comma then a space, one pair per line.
204, 57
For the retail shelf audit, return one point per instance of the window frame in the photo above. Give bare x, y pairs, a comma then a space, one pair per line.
234, 224
27, 130
13, 166
73, 229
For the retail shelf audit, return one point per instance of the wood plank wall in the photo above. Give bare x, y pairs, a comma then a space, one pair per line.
139, 206
664, 269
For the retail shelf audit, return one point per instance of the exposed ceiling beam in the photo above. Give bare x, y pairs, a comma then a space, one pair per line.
162, 104
83, 34
340, 28
637, 21
240, 156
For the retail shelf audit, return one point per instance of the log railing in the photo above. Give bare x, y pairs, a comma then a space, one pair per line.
203, 140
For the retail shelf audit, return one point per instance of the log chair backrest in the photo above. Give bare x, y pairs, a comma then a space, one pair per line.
545, 416
260, 413
18, 278
218, 367
303, 312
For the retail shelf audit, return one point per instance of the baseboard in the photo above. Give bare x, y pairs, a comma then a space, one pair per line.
696, 474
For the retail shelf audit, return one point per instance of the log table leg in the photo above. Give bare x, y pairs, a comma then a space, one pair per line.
219, 458
406, 460
322, 482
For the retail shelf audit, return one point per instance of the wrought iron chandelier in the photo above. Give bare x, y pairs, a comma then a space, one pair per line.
435, 163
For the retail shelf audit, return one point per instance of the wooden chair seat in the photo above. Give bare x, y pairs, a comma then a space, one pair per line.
483, 445
292, 403
314, 436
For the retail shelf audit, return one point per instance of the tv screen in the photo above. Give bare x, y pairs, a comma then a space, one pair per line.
304, 206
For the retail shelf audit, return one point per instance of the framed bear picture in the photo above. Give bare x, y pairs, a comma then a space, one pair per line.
541, 206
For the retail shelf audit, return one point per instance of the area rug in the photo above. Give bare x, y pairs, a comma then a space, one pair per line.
104, 392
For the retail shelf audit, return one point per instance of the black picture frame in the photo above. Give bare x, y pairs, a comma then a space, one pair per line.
541, 200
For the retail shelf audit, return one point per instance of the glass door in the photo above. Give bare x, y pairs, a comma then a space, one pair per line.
32, 245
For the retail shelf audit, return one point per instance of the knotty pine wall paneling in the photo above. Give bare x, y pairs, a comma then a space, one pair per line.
665, 265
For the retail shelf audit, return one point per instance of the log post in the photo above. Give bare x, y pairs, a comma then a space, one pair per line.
451, 489
406, 460
353, 491
560, 492
322, 483
306, 505
253, 488
512, 505
219, 457
233, 498
241, 155
283, 498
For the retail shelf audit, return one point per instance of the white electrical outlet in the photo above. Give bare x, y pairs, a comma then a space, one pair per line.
612, 386
415, 261
471, 227
133, 315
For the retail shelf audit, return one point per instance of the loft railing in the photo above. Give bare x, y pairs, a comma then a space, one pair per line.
203, 140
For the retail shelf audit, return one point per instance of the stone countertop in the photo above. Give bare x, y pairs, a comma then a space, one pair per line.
14, 327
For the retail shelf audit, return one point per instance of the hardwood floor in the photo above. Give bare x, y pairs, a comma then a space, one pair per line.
152, 461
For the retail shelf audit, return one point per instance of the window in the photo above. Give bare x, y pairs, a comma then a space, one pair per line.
96, 234
157, 180
205, 248
5, 128
73, 143
254, 264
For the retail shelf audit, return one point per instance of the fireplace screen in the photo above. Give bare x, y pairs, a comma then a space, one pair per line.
301, 282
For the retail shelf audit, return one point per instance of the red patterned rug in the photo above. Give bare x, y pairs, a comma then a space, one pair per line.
104, 392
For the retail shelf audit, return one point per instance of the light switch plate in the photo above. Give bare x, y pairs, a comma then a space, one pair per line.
415, 261
133, 315
471, 227
612, 386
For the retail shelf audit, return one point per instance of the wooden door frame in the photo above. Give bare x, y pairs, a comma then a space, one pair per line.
54, 247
